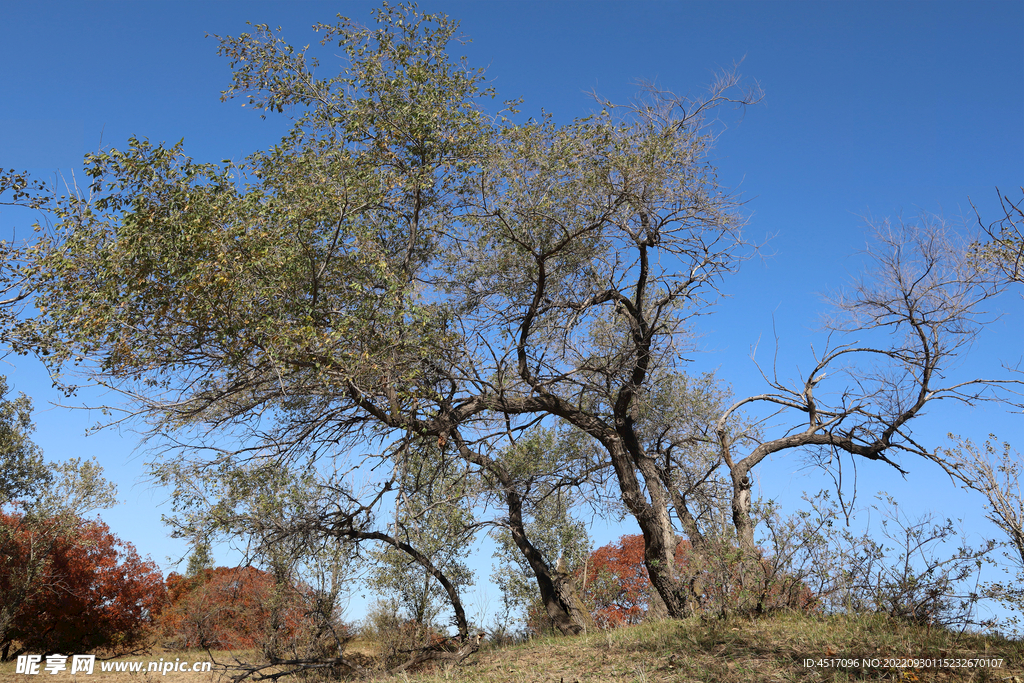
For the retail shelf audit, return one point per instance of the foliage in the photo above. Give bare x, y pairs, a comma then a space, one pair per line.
93, 591
16, 257
44, 536
432, 515
228, 608
1004, 250
540, 462
616, 584
915, 569
22, 471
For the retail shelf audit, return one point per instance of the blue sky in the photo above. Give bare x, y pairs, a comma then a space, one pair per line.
870, 109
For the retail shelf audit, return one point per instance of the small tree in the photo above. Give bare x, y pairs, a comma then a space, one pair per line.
1004, 249
616, 583
432, 515
93, 591
272, 515
537, 482
995, 470
43, 506
22, 471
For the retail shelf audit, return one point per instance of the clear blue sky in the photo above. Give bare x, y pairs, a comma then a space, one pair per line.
871, 108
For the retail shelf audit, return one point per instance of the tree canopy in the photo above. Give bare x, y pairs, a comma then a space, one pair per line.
400, 296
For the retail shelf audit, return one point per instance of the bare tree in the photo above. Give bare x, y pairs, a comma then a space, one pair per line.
917, 309
994, 470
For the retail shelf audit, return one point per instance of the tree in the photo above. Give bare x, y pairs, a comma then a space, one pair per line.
22, 470
1005, 248
919, 308
268, 514
401, 264
93, 591
994, 470
312, 527
538, 481
432, 515
404, 267
42, 506
617, 583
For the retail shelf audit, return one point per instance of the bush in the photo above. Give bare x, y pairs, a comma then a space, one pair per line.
615, 582
918, 570
229, 608
395, 634
77, 587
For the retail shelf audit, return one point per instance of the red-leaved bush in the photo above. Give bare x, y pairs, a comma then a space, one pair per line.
69, 585
617, 584
229, 608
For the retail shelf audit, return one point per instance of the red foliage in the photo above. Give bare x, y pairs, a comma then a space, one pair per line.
229, 609
617, 583
74, 586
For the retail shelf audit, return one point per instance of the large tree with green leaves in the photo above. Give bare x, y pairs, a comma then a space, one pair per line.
401, 266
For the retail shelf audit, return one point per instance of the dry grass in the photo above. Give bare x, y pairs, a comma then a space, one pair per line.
731, 651
772, 649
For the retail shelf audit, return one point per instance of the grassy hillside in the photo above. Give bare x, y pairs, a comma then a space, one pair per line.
770, 649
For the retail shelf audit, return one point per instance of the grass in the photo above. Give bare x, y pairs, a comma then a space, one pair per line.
730, 651
726, 651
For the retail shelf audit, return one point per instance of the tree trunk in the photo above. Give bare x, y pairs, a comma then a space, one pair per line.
569, 599
557, 590
653, 517
453, 594
741, 505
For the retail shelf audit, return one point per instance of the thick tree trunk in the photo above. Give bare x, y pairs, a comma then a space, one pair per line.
568, 597
652, 515
741, 505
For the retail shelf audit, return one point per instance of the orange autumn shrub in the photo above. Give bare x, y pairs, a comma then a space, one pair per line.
69, 585
229, 608
617, 585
